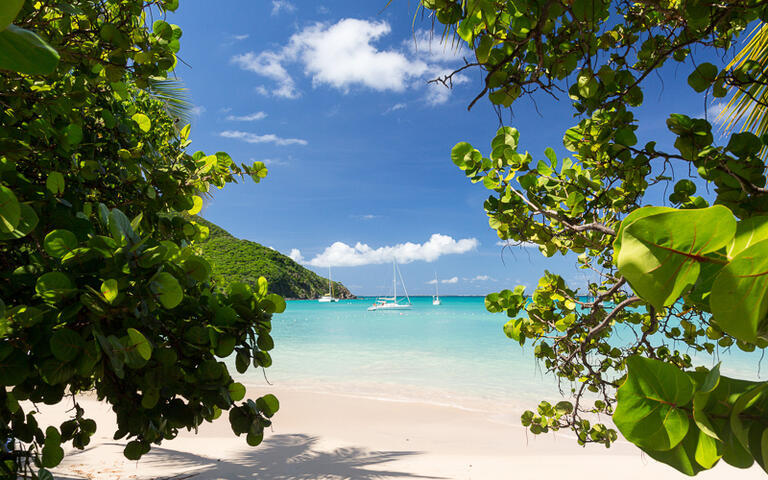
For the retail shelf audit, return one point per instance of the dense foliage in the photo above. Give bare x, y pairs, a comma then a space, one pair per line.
102, 287
236, 260
673, 278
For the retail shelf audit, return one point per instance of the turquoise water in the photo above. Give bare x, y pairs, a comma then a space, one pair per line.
455, 353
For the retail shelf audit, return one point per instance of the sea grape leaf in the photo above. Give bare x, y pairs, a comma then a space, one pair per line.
682, 456
10, 210
198, 205
660, 254
59, 243
140, 343
66, 344
739, 298
268, 405
109, 290
748, 232
634, 215
55, 183
8, 11
236, 391
198, 268
702, 77
54, 286
647, 412
25, 52
27, 223
167, 289
143, 121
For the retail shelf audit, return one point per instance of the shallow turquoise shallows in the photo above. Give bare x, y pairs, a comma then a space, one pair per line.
455, 354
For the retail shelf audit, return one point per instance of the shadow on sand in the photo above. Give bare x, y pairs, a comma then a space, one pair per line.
280, 457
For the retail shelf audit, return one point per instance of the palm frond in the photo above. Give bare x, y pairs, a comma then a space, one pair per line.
748, 105
175, 96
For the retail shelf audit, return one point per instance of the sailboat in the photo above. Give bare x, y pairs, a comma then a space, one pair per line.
391, 303
436, 296
328, 298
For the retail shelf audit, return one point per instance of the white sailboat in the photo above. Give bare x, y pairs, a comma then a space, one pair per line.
436, 296
391, 303
328, 298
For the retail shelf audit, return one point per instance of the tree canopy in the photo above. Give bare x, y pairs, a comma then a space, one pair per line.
689, 274
102, 286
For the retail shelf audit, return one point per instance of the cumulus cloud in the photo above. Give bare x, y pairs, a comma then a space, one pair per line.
198, 110
395, 107
342, 255
482, 278
282, 5
344, 55
247, 118
269, 64
450, 280
268, 138
425, 44
296, 255
274, 162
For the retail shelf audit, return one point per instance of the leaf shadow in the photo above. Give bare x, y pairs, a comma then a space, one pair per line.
282, 457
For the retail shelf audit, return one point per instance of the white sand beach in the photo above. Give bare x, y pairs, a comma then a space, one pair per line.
331, 436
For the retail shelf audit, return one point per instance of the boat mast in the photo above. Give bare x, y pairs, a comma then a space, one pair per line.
330, 285
436, 292
394, 281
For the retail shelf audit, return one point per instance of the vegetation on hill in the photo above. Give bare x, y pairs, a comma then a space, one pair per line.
236, 260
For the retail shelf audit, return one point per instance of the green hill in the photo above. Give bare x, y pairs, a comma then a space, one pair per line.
234, 260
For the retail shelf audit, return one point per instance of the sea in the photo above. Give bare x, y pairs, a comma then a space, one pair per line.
454, 354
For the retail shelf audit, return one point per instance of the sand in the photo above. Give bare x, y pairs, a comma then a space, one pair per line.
332, 436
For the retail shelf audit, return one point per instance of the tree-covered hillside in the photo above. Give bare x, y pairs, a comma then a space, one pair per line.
234, 259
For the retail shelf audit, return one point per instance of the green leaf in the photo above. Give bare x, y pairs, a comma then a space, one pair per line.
587, 84
25, 52
27, 223
140, 343
74, 134
120, 226
739, 298
59, 243
647, 412
10, 210
198, 205
142, 121
135, 449
54, 286
268, 405
44, 474
682, 456
167, 289
236, 391
708, 450
150, 398
702, 77
55, 183
53, 454
109, 290
14, 368
748, 232
9, 9
197, 268
66, 344
278, 302
660, 253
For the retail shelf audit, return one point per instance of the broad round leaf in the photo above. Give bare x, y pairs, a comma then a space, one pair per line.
197, 268
268, 405
198, 205
140, 343
109, 290
10, 210
167, 289
25, 52
739, 298
236, 391
54, 286
143, 121
59, 243
27, 223
8, 11
660, 254
647, 412
66, 344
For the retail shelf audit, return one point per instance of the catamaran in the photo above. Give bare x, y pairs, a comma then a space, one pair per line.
391, 303
328, 298
436, 296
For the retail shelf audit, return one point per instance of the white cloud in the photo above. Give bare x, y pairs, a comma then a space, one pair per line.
342, 255
367, 216
268, 64
344, 55
296, 255
240, 38
282, 5
395, 107
274, 162
432, 282
247, 118
482, 278
450, 280
198, 110
268, 138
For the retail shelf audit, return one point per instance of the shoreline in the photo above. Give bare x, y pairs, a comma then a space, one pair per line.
332, 436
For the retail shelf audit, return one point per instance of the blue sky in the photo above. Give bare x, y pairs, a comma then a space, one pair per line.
334, 98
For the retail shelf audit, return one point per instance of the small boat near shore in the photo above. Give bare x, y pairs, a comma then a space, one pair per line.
328, 298
391, 303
